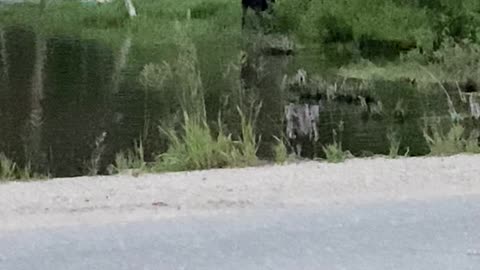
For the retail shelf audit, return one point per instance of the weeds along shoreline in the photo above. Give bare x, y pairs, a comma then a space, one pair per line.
439, 43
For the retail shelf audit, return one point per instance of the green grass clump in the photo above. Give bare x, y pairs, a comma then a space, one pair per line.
331, 20
334, 152
196, 146
452, 142
130, 161
394, 144
199, 149
7, 168
280, 151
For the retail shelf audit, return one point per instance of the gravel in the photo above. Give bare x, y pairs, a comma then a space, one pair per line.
124, 198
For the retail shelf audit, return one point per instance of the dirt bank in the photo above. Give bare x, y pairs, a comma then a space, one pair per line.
94, 200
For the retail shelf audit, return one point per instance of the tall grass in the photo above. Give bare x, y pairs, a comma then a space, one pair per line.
280, 152
130, 161
334, 152
394, 141
450, 140
196, 146
7, 168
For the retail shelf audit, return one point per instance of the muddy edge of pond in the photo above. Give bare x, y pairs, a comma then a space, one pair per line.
103, 200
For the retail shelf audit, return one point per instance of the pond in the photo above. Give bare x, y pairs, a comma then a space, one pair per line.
66, 101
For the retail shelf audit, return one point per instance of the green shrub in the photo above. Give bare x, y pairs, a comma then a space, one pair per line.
280, 151
394, 147
450, 142
334, 152
199, 149
383, 20
7, 168
130, 160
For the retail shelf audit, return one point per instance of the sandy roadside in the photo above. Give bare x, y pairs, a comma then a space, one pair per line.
116, 199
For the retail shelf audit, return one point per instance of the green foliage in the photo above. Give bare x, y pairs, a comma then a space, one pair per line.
394, 147
457, 61
130, 161
7, 168
289, 14
199, 149
452, 61
334, 152
451, 141
280, 151
154, 76
384, 20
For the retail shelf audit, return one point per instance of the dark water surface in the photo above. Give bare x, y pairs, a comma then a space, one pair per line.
64, 101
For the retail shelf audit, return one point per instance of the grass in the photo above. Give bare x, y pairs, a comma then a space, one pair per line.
199, 149
314, 21
178, 46
196, 145
394, 144
9, 170
450, 142
130, 161
334, 152
453, 61
110, 22
280, 152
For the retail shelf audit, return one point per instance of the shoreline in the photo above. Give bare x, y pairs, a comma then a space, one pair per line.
123, 198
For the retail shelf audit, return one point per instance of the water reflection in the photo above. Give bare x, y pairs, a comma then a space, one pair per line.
68, 105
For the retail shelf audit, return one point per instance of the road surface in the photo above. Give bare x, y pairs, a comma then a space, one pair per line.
434, 234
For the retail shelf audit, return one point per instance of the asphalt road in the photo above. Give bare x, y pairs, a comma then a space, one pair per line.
441, 234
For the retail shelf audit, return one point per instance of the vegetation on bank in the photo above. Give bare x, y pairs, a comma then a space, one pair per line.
422, 24
9, 170
438, 36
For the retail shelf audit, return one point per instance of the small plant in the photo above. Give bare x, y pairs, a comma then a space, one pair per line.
199, 149
26, 172
334, 152
154, 76
395, 141
7, 168
472, 143
280, 151
130, 161
248, 144
93, 165
452, 142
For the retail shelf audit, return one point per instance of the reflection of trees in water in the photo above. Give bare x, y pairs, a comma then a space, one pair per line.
33, 130
262, 75
4, 58
77, 103
121, 60
17, 50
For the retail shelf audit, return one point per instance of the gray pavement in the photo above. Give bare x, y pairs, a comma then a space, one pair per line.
437, 234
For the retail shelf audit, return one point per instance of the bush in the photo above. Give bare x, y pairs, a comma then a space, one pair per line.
199, 149
452, 141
